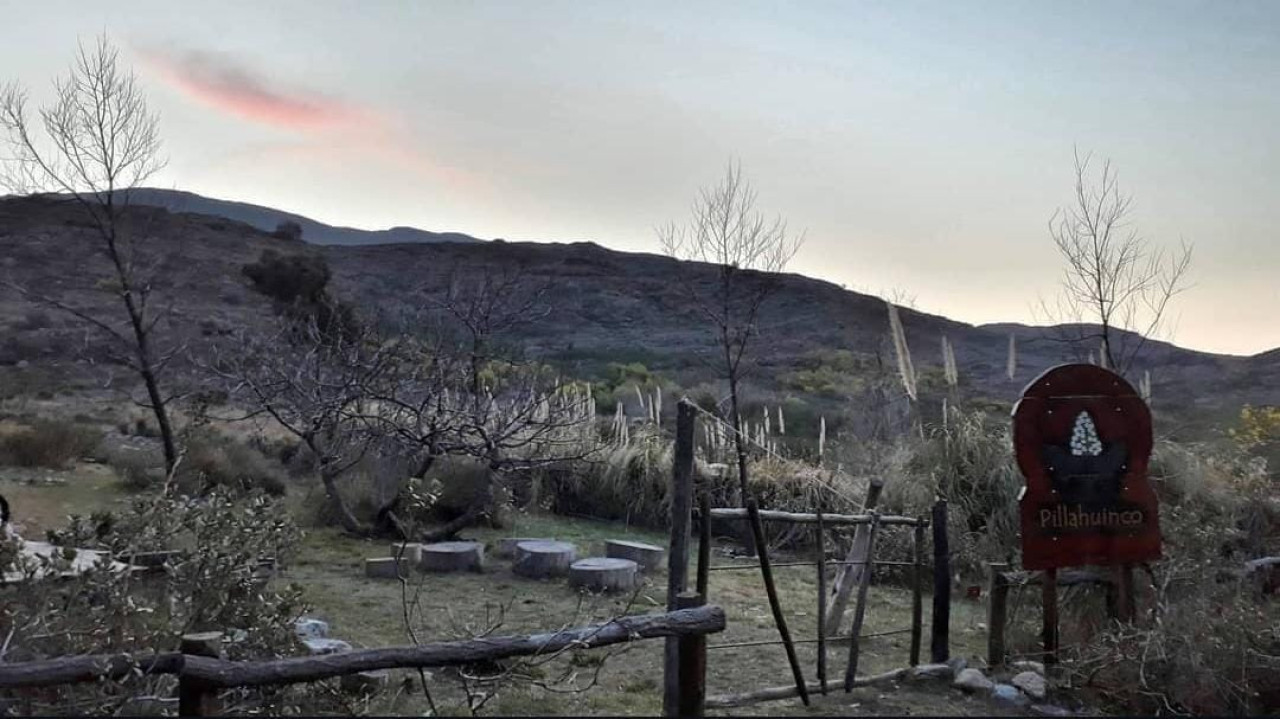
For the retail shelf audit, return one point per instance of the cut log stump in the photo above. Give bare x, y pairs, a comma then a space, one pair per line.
539, 558
506, 548
386, 568
607, 574
453, 557
411, 552
647, 556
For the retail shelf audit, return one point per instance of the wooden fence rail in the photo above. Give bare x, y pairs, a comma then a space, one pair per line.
212, 673
770, 515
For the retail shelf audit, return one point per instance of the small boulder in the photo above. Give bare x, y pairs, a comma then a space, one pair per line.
1009, 693
972, 680
322, 645
932, 671
1028, 666
310, 628
1049, 710
957, 664
364, 682
1031, 683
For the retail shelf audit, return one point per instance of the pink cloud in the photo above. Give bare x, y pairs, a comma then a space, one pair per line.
220, 82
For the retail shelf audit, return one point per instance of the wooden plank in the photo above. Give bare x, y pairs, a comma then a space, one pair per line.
997, 614
806, 518
693, 664
762, 548
196, 697
728, 701
849, 575
860, 611
917, 593
822, 603
678, 551
940, 639
1126, 604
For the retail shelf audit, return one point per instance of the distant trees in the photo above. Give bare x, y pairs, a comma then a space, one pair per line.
100, 140
1113, 278
288, 230
727, 231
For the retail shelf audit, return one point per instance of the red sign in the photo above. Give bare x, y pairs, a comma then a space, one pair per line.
1082, 437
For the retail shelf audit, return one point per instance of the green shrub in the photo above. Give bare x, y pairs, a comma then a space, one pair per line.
48, 443
213, 460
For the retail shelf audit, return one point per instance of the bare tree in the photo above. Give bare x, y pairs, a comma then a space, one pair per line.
100, 141
1113, 280
727, 231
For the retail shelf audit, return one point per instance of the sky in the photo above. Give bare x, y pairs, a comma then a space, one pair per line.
921, 146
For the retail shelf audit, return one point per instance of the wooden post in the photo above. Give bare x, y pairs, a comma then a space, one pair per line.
940, 640
849, 574
822, 605
997, 613
766, 571
917, 592
693, 664
1125, 604
195, 699
1049, 632
704, 545
860, 611
678, 552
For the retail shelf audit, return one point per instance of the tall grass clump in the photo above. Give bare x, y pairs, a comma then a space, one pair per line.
48, 443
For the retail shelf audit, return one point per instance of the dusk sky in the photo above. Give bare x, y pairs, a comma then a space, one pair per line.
923, 146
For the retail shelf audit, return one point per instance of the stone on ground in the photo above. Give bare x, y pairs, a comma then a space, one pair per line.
1008, 693
607, 574
506, 548
364, 682
326, 646
538, 559
1049, 710
933, 671
453, 557
1028, 666
957, 664
1031, 683
385, 568
972, 680
310, 628
647, 556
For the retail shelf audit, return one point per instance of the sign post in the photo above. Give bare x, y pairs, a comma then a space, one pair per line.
1082, 437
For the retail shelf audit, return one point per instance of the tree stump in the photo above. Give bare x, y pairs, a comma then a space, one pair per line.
647, 556
453, 557
541, 558
411, 552
607, 574
386, 568
506, 548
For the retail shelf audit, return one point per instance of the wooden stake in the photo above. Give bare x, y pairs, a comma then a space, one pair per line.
704, 544
860, 611
917, 592
196, 698
940, 641
766, 571
997, 613
693, 664
849, 575
678, 552
1125, 605
822, 604
1049, 633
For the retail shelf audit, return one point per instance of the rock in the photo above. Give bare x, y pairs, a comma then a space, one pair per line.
1028, 666
310, 628
364, 682
973, 680
320, 645
603, 574
1031, 683
453, 557
957, 664
932, 671
647, 556
1008, 693
1049, 710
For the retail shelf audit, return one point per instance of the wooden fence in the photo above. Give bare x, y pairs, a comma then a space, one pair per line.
202, 673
